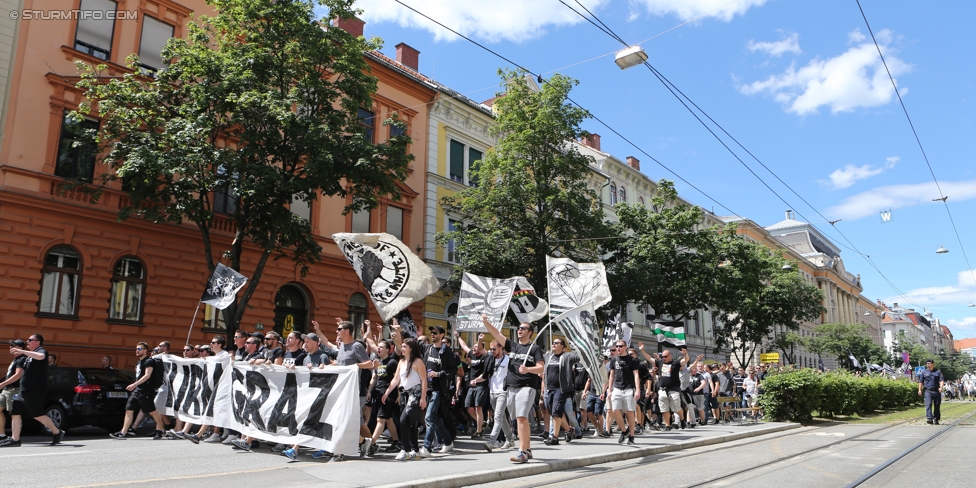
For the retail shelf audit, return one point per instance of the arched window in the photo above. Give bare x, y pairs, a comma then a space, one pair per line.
623, 195
641, 199
357, 308
128, 283
60, 279
613, 194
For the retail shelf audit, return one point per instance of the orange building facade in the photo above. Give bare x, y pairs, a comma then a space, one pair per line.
94, 286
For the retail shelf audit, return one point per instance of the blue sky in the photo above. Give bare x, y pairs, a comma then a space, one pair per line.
798, 83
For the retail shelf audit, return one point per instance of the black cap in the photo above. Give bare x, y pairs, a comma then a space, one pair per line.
927, 361
310, 336
18, 343
259, 335
438, 329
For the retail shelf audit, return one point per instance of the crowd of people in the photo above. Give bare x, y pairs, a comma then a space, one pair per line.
422, 393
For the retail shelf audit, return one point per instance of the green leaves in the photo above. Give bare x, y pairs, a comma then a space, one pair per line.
257, 108
534, 195
842, 340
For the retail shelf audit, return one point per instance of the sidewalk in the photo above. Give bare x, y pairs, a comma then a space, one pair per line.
470, 464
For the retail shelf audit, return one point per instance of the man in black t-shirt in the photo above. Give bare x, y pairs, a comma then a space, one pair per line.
441, 371
294, 355
388, 411
669, 388
524, 367
624, 376
33, 389
143, 391
477, 395
10, 387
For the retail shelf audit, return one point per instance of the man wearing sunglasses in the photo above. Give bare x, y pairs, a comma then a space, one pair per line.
524, 368
560, 391
143, 393
625, 376
33, 389
669, 388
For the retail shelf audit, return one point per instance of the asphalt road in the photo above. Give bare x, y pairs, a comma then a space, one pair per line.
794, 459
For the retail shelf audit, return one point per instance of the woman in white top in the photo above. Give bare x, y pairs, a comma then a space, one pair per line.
411, 377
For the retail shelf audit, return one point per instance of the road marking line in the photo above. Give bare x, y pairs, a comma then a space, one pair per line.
44, 454
190, 477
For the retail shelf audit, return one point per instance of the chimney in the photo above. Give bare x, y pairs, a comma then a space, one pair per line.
593, 140
894, 305
408, 56
352, 25
789, 214
633, 162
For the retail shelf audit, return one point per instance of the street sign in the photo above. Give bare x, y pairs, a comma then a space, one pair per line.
769, 357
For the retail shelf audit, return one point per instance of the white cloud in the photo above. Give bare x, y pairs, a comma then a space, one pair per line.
850, 174
962, 292
870, 202
853, 79
693, 9
789, 44
855, 36
503, 20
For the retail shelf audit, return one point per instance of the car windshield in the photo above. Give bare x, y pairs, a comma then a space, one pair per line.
101, 376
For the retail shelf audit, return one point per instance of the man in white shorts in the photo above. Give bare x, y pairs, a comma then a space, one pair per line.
624, 377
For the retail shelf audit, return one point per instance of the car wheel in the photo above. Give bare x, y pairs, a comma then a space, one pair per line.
57, 415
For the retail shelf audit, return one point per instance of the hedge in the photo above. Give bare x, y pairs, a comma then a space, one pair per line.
793, 395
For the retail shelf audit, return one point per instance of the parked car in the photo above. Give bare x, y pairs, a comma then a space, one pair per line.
85, 396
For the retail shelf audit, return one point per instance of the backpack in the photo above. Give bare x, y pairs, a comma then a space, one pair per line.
158, 372
579, 377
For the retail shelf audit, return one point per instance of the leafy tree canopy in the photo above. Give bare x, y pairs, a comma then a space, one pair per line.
255, 109
534, 194
841, 340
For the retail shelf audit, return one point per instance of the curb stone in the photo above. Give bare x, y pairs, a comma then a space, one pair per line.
537, 468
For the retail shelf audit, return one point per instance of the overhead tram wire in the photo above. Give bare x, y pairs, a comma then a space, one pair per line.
918, 140
672, 88
600, 121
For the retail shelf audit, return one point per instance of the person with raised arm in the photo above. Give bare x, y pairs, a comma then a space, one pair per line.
524, 369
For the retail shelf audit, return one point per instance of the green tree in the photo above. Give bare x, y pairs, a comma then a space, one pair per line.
841, 340
535, 192
257, 108
668, 259
917, 353
757, 296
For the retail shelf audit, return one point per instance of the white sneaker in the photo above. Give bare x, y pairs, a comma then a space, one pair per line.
424, 452
364, 447
508, 445
402, 456
446, 448
214, 438
413, 455
229, 439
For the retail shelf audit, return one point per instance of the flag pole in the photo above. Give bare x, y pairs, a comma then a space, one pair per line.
192, 322
526, 358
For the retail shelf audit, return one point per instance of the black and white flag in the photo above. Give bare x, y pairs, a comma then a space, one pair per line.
579, 325
482, 295
393, 275
407, 326
526, 305
572, 284
222, 287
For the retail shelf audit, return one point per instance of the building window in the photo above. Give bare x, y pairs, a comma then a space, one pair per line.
225, 196
623, 195
474, 160
213, 319
368, 121
128, 281
457, 161
452, 245
360, 222
396, 131
613, 194
77, 148
394, 221
95, 30
301, 208
357, 308
155, 33
59, 282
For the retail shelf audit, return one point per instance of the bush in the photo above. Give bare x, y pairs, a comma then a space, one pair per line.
794, 395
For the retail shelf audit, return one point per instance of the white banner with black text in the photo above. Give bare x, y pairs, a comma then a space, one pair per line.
317, 408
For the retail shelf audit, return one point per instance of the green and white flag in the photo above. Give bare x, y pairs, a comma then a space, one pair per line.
670, 333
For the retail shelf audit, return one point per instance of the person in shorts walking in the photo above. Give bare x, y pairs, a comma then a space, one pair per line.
624, 376
10, 387
33, 389
143, 391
